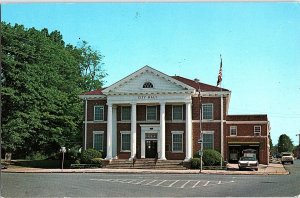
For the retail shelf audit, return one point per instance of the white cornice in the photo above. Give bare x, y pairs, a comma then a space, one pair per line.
215, 93
92, 97
246, 122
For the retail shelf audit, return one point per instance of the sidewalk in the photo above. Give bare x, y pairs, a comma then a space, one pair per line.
232, 169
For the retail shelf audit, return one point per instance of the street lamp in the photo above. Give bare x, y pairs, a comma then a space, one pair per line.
63, 151
200, 141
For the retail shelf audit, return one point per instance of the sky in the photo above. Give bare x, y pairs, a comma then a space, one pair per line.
259, 43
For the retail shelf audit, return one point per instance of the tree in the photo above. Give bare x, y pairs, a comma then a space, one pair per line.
42, 78
91, 67
285, 144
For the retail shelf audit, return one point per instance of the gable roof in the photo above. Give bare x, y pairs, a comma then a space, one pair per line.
196, 85
94, 92
148, 69
185, 83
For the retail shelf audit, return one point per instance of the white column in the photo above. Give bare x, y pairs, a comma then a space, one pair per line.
188, 131
133, 130
143, 153
162, 141
85, 124
114, 132
109, 133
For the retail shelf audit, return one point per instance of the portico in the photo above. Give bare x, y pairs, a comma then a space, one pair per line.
151, 134
148, 86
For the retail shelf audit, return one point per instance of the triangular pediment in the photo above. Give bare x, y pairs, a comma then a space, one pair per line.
148, 80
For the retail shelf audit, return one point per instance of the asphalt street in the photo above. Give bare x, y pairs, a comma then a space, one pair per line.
150, 185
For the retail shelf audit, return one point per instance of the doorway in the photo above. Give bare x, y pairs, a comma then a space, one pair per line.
151, 148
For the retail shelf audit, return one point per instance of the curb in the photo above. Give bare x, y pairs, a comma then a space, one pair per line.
141, 171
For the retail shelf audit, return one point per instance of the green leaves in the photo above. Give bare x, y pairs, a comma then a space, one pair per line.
42, 81
285, 144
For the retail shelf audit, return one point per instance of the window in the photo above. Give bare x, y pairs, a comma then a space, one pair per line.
126, 113
151, 112
177, 141
208, 140
233, 131
98, 140
98, 113
257, 130
207, 111
148, 85
125, 141
177, 112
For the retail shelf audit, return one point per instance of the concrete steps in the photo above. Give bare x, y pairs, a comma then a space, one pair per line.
148, 163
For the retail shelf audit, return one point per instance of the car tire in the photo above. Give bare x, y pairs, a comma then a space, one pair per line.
292, 162
282, 163
256, 169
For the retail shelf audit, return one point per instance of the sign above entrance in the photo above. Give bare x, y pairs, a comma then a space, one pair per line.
149, 97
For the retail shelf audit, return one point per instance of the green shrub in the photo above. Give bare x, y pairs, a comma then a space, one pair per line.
195, 163
97, 161
72, 154
211, 157
77, 161
89, 154
36, 156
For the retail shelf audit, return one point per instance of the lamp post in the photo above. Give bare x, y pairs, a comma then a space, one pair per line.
63, 150
200, 141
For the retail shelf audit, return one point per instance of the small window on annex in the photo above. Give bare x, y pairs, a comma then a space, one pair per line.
257, 130
147, 85
233, 130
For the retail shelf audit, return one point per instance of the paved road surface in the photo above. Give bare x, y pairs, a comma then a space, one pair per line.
151, 185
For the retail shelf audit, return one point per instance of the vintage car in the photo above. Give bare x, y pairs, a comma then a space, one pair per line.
287, 157
247, 162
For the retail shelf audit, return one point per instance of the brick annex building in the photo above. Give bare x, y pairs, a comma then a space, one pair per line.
150, 114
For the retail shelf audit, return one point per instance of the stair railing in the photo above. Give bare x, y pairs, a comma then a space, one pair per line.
133, 160
156, 158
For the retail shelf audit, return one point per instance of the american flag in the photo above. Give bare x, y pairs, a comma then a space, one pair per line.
220, 73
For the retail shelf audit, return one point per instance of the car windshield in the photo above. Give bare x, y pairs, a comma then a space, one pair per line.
286, 154
248, 158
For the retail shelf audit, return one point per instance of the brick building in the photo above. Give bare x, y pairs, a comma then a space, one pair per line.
150, 114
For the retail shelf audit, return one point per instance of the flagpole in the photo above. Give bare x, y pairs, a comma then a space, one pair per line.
222, 114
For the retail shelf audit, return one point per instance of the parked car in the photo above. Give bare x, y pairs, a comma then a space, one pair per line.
248, 163
287, 157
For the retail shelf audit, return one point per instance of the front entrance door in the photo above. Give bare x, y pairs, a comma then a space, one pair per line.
151, 148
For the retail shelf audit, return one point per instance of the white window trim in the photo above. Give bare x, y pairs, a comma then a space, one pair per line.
212, 110
257, 132
125, 132
147, 112
122, 113
233, 127
177, 132
95, 112
210, 132
181, 111
98, 132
